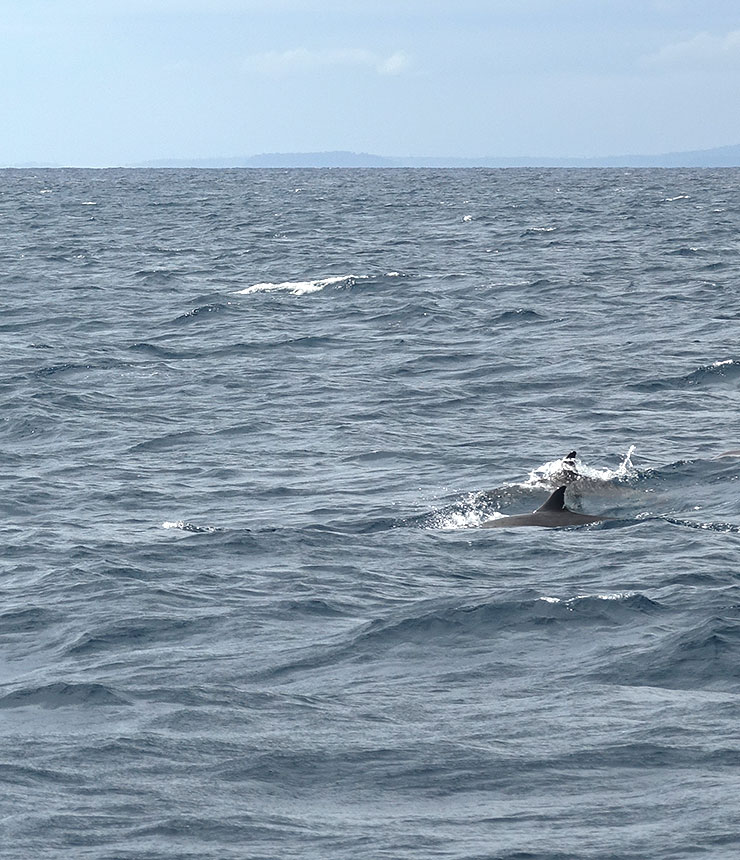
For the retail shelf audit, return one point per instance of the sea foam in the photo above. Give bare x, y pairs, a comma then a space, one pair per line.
300, 288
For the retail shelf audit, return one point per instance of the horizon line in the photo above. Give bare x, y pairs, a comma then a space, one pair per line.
721, 156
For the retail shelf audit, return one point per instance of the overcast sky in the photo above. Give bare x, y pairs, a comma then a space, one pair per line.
112, 82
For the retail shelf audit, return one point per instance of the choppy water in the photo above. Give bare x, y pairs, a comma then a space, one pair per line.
250, 422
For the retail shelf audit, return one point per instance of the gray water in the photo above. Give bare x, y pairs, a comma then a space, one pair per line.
251, 421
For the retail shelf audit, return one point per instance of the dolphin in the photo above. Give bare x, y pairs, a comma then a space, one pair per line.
570, 471
552, 515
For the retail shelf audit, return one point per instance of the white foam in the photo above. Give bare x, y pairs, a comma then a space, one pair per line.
299, 288
468, 516
616, 595
460, 520
568, 602
552, 472
188, 527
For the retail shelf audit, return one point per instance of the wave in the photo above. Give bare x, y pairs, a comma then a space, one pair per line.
724, 528
490, 618
440, 767
706, 376
518, 315
718, 371
59, 695
706, 656
184, 526
154, 278
534, 231
445, 623
302, 288
168, 442
26, 619
210, 308
157, 351
64, 368
139, 633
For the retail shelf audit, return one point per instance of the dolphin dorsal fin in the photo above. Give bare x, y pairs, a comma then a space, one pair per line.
556, 502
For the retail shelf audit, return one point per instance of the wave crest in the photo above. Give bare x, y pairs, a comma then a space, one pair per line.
301, 288
59, 695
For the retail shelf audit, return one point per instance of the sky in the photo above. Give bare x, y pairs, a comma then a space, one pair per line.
118, 82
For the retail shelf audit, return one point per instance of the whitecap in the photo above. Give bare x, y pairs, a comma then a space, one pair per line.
300, 288
184, 526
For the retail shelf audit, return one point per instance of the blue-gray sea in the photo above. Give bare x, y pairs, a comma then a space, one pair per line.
251, 422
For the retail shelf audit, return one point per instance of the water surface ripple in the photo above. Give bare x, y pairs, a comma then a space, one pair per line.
251, 421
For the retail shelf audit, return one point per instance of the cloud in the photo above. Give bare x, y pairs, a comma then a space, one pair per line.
302, 60
702, 51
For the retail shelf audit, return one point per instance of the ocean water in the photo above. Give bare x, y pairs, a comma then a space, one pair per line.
250, 424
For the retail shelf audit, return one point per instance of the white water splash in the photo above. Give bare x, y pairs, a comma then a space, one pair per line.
556, 472
458, 520
569, 601
301, 288
184, 526
468, 515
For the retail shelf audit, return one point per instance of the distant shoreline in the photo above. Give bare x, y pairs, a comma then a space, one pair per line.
725, 156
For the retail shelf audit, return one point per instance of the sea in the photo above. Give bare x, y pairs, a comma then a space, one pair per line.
251, 424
